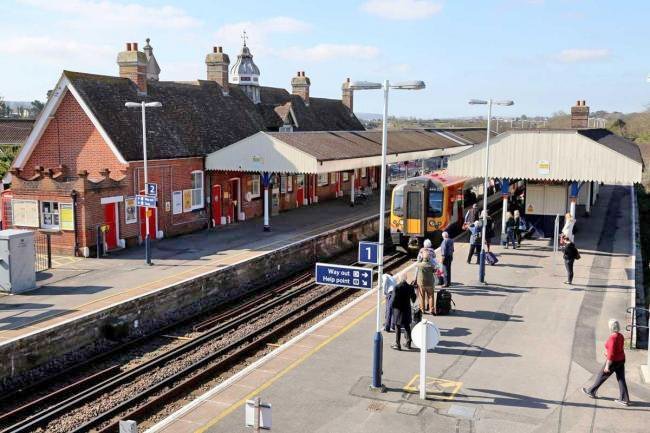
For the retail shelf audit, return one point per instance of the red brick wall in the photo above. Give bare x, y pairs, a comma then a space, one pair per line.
71, 139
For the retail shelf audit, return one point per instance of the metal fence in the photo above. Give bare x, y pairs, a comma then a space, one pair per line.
43, 248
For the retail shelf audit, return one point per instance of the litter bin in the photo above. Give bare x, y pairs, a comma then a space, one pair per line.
17, 256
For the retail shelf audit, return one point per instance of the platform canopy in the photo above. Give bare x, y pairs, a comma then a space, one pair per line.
330, 151
582, 155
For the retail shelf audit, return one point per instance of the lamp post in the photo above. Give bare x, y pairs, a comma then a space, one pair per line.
489, 103
386, 86
143, 106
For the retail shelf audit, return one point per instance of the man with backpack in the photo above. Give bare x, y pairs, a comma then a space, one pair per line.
474, 241
571, 254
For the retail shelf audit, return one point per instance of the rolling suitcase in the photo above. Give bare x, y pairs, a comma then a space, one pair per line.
491, 259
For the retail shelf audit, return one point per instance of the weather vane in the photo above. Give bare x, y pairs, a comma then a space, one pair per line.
244, 37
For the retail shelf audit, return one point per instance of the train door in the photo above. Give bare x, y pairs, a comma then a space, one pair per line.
216, 205
415, 211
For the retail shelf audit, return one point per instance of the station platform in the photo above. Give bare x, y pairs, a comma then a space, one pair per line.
77, 286
512, 357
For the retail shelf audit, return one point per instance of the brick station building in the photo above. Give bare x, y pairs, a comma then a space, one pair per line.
82, 164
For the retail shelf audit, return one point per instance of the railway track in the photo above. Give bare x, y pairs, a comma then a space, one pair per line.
230, 336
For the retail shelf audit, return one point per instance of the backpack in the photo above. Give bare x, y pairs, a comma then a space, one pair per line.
444, 302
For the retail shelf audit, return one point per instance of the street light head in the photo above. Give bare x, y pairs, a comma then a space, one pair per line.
153, 104
506, 103
477, 102
409, 85
364, 85
133, 105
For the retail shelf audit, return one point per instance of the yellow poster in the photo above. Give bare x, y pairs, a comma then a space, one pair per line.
187, 200
67, 216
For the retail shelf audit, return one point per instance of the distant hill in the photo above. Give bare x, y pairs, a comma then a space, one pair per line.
368, 116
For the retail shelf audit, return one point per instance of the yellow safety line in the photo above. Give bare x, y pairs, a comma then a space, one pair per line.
173, 277
275, 378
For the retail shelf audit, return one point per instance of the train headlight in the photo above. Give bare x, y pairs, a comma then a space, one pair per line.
432, 223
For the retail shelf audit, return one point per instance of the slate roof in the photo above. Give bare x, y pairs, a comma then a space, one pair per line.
196, 118
15, 131
336, 145
615, 142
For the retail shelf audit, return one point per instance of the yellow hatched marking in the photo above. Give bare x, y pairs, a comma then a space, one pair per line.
437, 387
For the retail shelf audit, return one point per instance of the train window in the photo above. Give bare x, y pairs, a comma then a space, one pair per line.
398, 202
414, 203
435, 203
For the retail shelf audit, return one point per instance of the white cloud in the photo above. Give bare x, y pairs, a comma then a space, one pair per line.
54, 49
324, 52
259, 31
106, 13
577, 55
401, 9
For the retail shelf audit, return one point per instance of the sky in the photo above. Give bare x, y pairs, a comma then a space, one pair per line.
543, 54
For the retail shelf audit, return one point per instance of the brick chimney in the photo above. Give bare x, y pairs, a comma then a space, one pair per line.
347, 96
133, 65
580, 115
218, 64
300, 86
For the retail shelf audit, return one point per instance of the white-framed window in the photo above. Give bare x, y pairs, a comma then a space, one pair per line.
50, 214
255, 186
364, 172
197, 189
289, 183
322, 179
346, 176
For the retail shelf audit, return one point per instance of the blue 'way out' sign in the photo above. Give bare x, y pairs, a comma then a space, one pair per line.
369, 253
345, 276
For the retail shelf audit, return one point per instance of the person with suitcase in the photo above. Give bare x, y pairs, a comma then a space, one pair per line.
425, 277
403, 295
447, 253
474, 241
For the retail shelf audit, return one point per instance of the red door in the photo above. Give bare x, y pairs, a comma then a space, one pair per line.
110, 219
216, 205
300, 190
151, 212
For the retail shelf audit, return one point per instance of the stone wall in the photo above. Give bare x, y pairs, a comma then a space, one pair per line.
77, 339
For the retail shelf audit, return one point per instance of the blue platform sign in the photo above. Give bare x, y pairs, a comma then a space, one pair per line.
369, 253
151, 189
346, 276
145, 201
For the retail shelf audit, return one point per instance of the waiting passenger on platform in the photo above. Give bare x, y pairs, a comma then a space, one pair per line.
425, 278
428, 248
571, 254
510, 230
614, 363
474, 242
388, 285
569, 223
520, 226
404, 294
489, 230
471, 215
447, 253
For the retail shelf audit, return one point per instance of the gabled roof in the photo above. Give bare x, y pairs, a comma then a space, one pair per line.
566, 155
196, 117
327, 151
15, 131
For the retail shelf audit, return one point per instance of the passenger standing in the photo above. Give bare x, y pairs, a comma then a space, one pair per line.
569, 223
474, 241
471, 215
425, 277
447, 252
404, 294
510, 230
571, 254
389, 284
520, 226
428, 248
489, 230
614, 363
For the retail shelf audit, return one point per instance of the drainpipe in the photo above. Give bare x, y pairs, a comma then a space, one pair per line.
74, 195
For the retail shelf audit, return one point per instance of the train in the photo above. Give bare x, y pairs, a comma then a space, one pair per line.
423, 207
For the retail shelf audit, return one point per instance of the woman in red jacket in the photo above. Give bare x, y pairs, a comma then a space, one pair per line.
615, 363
